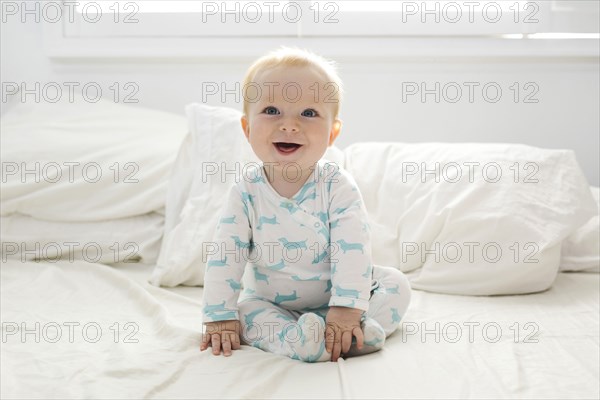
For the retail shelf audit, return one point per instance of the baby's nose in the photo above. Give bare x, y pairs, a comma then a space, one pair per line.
289, 127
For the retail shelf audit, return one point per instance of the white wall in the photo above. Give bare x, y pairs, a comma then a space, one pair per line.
566, 115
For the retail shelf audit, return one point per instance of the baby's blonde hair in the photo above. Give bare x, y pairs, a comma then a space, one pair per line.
296, 57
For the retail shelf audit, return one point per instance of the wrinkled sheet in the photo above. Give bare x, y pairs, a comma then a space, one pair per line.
166, 363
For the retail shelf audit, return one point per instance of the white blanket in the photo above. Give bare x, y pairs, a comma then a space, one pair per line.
166, 362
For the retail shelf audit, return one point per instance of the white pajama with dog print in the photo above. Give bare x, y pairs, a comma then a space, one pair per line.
296, 256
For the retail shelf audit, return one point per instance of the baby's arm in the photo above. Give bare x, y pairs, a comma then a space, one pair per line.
222, 279
351, 265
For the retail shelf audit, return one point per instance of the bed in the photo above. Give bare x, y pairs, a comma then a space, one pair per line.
101, 290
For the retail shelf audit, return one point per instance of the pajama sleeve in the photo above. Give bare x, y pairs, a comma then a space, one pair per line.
351, 265
227, 256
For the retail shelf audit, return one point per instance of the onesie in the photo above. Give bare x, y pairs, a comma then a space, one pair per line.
275, 259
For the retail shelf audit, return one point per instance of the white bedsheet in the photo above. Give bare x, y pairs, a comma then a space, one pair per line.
166, 362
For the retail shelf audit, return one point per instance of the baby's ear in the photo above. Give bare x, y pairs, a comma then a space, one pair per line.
336, 128
245, 126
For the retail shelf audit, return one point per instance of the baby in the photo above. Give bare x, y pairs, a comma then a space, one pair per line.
298, 227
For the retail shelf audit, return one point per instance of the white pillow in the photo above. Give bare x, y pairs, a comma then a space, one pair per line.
581, 250
526, 216
195, 194
93, 136
133, 239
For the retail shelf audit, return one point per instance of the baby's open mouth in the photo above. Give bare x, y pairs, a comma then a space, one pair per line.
286, 148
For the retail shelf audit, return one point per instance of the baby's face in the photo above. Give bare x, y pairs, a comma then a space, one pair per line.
292, 119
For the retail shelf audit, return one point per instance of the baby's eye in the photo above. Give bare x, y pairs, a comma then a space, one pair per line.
309, 113
271, 111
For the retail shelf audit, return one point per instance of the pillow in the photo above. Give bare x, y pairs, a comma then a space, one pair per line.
581, 250
199, 182
472, 219
133, 239
90, 161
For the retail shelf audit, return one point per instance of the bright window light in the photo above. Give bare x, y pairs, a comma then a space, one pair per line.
125, 6
175, 6
399, 6
558, 35
513, 36
553, 35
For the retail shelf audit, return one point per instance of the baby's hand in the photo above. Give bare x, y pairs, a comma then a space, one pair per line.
342, 324
221, 334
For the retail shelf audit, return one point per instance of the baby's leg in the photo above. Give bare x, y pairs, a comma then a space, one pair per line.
387, 306
272, 328
390, 299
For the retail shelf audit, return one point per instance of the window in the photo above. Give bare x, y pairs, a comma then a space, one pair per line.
191, 28
185, 19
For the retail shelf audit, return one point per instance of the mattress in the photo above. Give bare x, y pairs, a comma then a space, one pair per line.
84, 330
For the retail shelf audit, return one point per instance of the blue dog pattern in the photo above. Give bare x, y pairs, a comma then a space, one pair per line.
323, 221
280, 298
293, 245
228, 220
346, 292
266, 220
345, 246
217, 263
